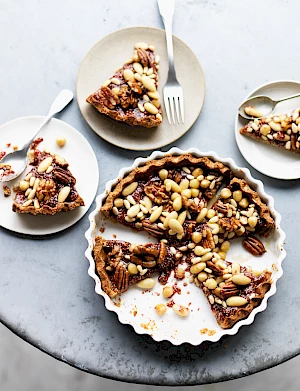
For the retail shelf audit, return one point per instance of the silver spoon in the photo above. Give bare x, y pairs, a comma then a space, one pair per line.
262, 104
18, 160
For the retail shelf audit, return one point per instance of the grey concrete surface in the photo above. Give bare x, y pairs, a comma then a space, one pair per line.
22, 367
49, 299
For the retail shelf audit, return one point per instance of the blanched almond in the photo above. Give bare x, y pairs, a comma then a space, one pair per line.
63, 194
45, 164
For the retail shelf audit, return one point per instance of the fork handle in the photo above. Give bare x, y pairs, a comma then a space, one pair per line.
166, 10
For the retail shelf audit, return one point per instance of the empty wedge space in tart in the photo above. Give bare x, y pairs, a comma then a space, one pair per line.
170, 198
49, 186
282, 131
131, 95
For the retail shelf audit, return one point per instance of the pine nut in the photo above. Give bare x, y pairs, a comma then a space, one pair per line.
148, 283
155, 214
24, 185
141, 107
28, 176
27, 203
159, 117
118, 202
172, 215
115, 211
240, 279
160, 309
45, 164
148, 83
199, 250
153, 95
211, 283
236, 301
207, 257
244, 203
36, 204
225, 193
177, 203
196, 237
201, 215
198, 267
133, 211
202, 276
184, 184
205, 183
63, 194
175, 226
214, 219
31, 182
49, 169
181, 218
28, 191
129, 189
225, 246
128, 75
197, 171
252, 112
194, 184
31, 195
252, 221
138, 67
235, 268
167, 291
181, 310
127, 204
163, 174
275, 126
132, 269
237, 195
187, 193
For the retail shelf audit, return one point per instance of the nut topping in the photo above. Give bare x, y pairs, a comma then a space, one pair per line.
254, 246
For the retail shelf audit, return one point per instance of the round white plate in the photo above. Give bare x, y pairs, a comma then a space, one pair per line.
83, 165
111, 53
136, 307
271, 161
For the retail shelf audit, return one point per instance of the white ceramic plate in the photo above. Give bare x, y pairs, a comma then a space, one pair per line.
109, 54
271, 161
137, 308
83, 165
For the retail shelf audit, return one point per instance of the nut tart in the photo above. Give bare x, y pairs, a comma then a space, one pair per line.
131, 95
170, 199
121, 264
48, 188
281, 131
232, 290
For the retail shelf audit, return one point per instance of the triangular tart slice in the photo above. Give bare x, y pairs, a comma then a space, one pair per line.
120, 264
48, 188
131, 95
282, 131
232, 290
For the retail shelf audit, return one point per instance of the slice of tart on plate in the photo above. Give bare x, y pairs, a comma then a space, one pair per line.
232, 290
282, 131
49, 186
120, 264
131, 95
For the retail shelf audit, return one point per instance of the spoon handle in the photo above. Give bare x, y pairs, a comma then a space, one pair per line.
288, 97
60, 102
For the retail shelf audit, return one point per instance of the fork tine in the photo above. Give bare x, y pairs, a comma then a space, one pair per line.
167, 107
172, 109
176, 101
181, 102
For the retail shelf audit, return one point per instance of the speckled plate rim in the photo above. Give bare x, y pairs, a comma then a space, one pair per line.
237, 128
169, 141
243, 173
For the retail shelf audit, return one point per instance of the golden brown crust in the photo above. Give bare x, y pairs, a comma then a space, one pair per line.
155, 165
240, 313
263, 209
46, 209
100, 257
133, 119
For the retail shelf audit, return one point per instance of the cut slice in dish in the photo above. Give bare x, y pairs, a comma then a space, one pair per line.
131, 95
121, 264
234, 298
282, 131
48, 188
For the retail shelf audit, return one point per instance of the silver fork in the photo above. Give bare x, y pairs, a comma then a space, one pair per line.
172, 91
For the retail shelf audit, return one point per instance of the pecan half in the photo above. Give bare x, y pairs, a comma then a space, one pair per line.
226, 291
153, 229
108, 98
254, 246
63, 176
121, 277
148, 249
143, 57
215, 269
220, 207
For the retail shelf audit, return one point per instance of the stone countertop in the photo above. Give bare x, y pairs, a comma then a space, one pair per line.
49, 300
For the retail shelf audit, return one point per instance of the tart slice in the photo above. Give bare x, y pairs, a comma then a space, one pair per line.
281, 131
121, 264
232, 290
48, 188
130, 95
